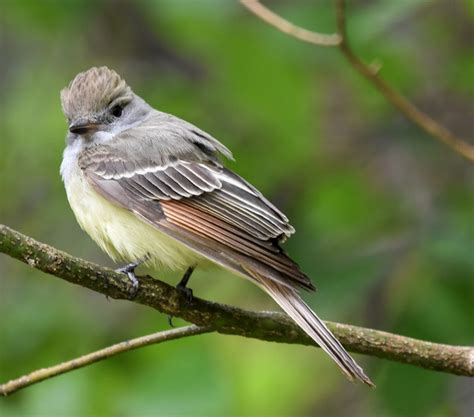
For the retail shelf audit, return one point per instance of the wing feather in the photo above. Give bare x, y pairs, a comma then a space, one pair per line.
139, 188
157, 190
243, 212
175, 189
194, 178
183, 181
207, 201
251, 226
191, 218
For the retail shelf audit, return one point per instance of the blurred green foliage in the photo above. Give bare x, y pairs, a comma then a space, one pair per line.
384, 214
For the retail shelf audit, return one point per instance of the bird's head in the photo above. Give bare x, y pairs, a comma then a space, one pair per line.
99, 100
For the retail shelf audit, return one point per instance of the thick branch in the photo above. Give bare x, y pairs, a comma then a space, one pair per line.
340, 40
35, 377
225, 319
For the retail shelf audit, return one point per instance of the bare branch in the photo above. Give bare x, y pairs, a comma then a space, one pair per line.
39, 375
285, 26
371, 73
224, 319
429, 125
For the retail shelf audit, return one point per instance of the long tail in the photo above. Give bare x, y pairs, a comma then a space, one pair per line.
314, 327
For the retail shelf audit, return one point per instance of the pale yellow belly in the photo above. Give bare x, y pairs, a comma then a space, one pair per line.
122, 235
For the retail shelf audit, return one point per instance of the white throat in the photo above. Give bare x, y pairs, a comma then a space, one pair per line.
69, 162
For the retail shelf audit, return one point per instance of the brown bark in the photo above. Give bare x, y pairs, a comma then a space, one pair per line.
269, 326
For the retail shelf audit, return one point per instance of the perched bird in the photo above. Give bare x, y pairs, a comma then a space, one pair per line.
149, 188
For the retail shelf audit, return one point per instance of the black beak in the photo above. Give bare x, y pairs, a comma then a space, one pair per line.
82, 127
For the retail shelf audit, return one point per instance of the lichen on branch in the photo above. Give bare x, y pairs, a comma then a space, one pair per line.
224, 319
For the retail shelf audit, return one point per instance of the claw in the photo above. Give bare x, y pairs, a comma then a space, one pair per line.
129, 270
187, 292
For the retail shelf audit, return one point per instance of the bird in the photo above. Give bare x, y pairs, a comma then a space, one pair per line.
151, 188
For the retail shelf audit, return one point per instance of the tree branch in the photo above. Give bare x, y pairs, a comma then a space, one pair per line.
340, 40
39, 375
283, 25
269, 326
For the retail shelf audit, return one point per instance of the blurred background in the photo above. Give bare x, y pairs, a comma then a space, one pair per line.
384, 213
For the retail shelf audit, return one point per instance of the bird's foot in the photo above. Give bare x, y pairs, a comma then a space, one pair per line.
129, 270
187, 292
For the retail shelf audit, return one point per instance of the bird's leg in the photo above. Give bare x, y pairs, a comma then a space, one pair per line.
181, 286
129, 270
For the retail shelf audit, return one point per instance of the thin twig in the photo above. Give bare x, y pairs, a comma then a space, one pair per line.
429, 125
283, 25
224, 319
39, 375
341, 41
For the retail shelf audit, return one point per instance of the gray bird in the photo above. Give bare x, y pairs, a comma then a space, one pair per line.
149, 188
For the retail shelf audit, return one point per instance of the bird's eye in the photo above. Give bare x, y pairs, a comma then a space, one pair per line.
117, 111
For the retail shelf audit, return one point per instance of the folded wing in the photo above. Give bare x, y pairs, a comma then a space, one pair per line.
204, 205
